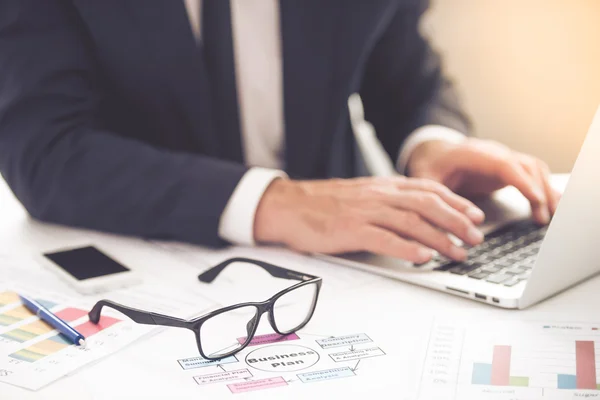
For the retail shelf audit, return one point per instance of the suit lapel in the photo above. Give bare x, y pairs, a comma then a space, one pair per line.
308, 40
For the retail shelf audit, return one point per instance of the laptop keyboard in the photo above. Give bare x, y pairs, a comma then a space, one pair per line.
506, 256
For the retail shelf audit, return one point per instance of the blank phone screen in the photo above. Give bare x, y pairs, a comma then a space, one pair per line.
85, 263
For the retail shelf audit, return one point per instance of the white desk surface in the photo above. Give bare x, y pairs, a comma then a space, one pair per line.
374, 299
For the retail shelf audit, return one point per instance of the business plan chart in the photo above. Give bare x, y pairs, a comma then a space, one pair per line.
512, 360
272, 361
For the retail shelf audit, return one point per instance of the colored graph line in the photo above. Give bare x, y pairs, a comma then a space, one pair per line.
70, 314
15, 315
19, 313
58, 342
46, 303
88, 328
7, 298
42, 349
28, 332
38, 328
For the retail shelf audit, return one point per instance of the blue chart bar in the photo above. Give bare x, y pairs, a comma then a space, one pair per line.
482, 374
567, 381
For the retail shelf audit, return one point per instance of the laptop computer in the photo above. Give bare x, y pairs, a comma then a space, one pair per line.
519, 263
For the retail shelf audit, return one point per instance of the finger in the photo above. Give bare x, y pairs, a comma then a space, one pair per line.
541, 213
556, 196
501, 163
512, 173
384, 242
411, 225
455, 201
435, 210
552, 194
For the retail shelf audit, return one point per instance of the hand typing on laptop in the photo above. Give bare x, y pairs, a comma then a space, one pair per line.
478, 167
403, 217
395, 216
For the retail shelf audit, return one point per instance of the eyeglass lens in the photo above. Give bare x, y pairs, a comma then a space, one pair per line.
293, 309
219, 335
224, 333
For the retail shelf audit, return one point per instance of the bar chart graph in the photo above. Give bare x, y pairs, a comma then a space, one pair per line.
512, 360
25, 329
585, 376
14, 315
498, 372
33, 354
58, 342
37, 328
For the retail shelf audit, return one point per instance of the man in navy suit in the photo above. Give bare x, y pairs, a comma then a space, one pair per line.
215, 121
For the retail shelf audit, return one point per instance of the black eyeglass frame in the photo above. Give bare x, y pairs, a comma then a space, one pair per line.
208, 276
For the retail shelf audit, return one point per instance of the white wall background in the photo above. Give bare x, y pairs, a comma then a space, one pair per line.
528, 70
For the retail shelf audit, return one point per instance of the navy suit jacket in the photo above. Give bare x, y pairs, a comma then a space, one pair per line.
108, 121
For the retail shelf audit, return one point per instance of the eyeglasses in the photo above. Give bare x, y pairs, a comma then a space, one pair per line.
227, 331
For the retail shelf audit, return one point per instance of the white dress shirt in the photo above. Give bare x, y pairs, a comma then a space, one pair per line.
258, 66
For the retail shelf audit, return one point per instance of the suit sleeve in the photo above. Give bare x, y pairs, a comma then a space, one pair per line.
404, 87
66, 170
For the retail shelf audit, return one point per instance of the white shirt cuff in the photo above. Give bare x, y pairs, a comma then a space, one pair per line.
422, 135
236, 224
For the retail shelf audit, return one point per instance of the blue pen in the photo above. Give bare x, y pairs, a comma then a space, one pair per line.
47, 316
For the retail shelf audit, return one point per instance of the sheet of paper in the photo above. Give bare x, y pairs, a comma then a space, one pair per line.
512, 360
33, 355
327, 359
242, 282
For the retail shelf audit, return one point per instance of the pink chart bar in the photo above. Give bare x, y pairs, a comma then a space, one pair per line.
250, 386
501, 366
586, 365
267, 339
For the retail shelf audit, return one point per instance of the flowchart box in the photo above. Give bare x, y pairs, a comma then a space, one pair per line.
223, 376
268, 339
199, 362
250, 386
326, 374
357, 354
346, 340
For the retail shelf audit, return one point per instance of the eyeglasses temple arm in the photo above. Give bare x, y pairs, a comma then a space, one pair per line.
139, 316
278, 272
